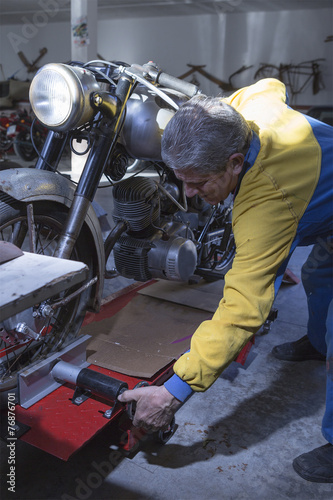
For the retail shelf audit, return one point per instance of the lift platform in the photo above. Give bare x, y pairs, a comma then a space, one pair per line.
135, 339
61, 423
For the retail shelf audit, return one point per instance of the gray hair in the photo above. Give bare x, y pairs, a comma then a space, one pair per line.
203, 134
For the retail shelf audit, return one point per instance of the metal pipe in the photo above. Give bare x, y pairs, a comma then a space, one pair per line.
113, 237
31, 228
71, 230
66, 372
97, 383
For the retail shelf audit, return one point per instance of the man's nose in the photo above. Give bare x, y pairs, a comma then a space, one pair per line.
190, 191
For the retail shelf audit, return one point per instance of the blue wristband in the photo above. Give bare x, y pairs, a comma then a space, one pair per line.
178, 388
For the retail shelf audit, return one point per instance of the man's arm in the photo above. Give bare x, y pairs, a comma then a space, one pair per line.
264, 230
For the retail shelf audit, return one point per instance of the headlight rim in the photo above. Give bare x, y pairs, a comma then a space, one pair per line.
80, 83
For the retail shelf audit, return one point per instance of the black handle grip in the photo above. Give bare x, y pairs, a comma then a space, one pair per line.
100, 384
175, 83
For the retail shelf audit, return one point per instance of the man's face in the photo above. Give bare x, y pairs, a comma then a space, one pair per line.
212, 188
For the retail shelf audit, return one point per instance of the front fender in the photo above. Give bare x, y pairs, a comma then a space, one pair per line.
26, 185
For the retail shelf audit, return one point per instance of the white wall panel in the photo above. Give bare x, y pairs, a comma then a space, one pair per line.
56, 37
223, 42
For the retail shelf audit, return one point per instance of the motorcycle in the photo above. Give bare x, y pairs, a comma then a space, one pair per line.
119, 112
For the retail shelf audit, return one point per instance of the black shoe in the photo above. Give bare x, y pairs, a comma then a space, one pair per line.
301, 350
317, 465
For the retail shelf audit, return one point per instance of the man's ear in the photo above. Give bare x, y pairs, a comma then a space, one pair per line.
236, 162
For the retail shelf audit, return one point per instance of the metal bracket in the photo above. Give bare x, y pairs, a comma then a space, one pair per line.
80, 396
36, 382
108, 413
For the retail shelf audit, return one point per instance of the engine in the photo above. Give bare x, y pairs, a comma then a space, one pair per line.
153, 246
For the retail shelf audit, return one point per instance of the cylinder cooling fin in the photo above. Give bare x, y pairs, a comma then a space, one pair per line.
136, 201
131, 258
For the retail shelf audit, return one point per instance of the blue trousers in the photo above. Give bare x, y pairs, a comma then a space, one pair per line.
317, 279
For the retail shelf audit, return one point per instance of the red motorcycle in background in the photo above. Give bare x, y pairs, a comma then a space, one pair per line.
23, 138
6, 119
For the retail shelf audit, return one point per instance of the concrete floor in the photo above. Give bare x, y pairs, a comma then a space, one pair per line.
234, 442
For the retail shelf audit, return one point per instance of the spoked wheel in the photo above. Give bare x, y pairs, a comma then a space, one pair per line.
54, 327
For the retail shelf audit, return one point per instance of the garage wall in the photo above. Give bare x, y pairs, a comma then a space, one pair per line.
222, 42
226, 42
29, 38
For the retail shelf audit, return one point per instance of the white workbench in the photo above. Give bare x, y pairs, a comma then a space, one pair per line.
32, 278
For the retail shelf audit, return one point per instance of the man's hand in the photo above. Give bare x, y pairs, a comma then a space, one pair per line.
155, 406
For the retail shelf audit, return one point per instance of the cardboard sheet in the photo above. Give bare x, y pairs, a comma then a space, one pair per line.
143, 337
201, 295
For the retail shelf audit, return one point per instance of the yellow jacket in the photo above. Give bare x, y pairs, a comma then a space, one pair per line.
273, 196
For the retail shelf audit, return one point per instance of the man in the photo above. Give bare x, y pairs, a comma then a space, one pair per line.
278, 163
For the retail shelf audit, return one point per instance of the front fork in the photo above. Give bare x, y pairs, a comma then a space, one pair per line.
52, 151
104, 142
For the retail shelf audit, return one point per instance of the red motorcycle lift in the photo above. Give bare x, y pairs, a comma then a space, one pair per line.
66, 419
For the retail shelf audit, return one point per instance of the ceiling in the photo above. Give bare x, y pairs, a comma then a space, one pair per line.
12, 11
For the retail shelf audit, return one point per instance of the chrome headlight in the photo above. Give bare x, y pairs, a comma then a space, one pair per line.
60, 96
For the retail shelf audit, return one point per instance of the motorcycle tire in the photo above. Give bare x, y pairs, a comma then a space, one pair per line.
5, 143
59, 329
23, 146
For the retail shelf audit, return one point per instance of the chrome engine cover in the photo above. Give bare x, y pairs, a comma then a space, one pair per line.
174, 260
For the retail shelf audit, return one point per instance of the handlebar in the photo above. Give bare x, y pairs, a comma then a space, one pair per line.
167, 80
175, 83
